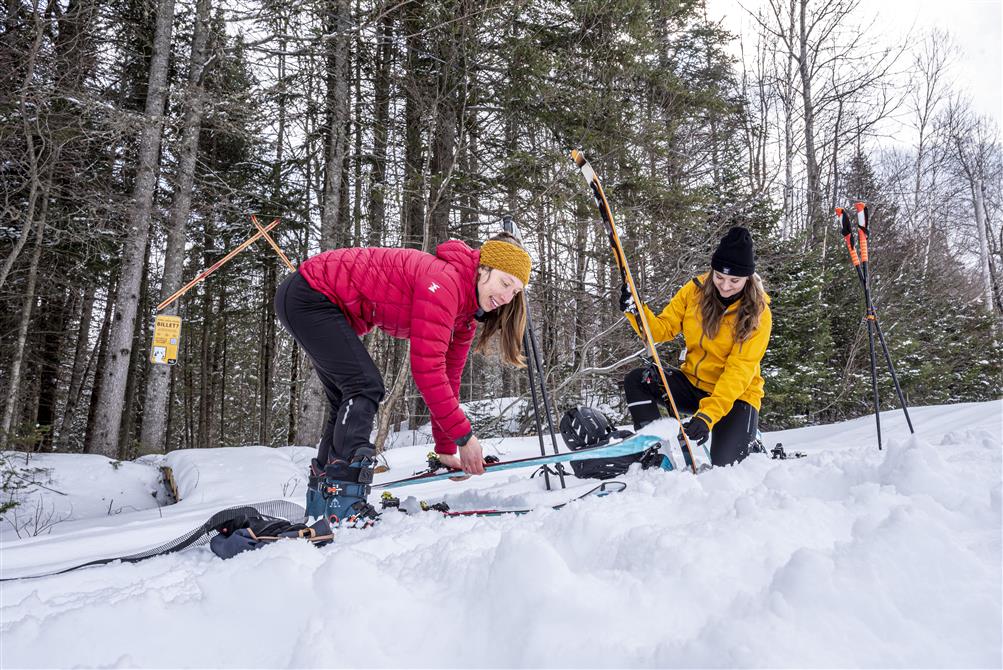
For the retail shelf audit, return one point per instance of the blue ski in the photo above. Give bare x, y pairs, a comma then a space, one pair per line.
632, 445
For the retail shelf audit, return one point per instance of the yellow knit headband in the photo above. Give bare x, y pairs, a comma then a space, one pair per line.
507, 258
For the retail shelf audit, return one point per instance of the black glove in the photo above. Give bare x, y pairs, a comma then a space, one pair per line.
626, 300
697, 430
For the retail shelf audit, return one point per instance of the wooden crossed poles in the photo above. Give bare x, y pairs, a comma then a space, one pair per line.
262, 232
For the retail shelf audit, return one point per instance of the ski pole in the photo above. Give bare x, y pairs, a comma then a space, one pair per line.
860, 265
862, 243
529, 345
873, 326
607, 217
862, 234
843, 219
538, 363
217, 265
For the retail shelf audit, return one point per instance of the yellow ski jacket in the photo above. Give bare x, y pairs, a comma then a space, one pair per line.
729, 371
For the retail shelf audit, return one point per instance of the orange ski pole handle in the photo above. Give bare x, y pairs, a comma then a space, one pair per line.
217, 265
862, 229
607, 216
268, 238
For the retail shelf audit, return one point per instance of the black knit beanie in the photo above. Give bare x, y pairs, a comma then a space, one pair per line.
734, 256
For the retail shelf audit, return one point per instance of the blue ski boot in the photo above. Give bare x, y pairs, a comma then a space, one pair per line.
315, 505
339, 492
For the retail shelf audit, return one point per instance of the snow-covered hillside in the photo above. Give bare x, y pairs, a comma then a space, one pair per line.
851, 557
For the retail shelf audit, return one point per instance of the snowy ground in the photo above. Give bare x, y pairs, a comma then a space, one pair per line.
852, 557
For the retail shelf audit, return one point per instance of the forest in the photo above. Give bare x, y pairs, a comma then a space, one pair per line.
139, 137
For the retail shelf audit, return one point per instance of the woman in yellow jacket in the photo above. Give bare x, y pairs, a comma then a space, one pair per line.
725, 318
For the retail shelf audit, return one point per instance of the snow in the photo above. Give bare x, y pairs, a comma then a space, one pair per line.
851, 557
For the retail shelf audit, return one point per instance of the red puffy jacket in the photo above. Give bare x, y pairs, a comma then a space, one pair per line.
410, 294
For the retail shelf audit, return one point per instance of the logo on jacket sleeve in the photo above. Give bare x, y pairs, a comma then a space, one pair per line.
433, 287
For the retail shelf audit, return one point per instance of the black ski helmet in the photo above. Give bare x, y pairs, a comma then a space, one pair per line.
584, 427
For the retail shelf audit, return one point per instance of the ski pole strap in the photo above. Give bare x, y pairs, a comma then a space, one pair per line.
843, 220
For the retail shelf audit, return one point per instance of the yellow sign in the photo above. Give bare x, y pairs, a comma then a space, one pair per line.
166, 336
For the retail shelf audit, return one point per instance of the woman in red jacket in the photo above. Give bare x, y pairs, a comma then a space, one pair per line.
434, 301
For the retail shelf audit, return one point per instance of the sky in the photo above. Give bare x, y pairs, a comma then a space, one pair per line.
977, 26
849, 557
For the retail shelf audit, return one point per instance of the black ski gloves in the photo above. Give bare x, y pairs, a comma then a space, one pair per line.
697, 430
627, 300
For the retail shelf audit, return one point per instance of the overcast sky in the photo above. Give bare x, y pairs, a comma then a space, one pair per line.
977, 27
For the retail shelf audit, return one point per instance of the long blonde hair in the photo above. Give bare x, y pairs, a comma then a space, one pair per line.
508, 322
750, 308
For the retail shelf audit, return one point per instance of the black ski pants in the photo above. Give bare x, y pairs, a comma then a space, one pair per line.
731, 436
351, 380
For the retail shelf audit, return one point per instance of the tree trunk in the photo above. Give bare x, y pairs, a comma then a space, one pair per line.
413, 222
203, 387
33, 167
92, 409
443, 162
388, 408
981, 224
216, 435
376, 209
815, 217
356, 128
333, 233
114, 377
332, 226
153, 436
788, 103
266, 353
137, 363
307, 407
81, 360
220, 373
7, 430
188, 396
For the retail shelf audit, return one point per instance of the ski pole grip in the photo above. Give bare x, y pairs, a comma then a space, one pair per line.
862, 229
853, 252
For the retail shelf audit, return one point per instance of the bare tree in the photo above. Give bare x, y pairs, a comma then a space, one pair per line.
152, 438
840, 74
333, 226
927, 89
105, 439
977, 153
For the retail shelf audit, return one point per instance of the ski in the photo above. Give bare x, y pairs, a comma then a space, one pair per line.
632, 445
410, 506
621, 261
197, 537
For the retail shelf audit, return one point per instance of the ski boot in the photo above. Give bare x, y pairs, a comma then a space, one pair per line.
338, 492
